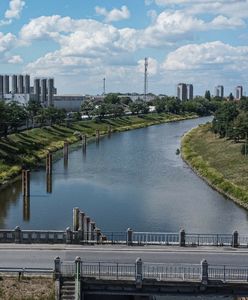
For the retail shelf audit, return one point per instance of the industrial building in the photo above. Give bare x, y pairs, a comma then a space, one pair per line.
42, 91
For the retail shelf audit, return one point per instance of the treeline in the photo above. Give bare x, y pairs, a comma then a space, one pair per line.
114, 105
231, 121
14, 116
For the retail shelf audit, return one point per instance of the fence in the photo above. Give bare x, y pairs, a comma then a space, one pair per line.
154, 271
128, 237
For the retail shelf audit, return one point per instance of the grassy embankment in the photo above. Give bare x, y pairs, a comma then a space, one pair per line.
218, 161
30, 147
27, 288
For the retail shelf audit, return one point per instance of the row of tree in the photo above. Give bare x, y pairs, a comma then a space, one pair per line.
231, 121
14, 115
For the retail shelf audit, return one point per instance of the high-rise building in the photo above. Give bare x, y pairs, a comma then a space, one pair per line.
14, 89
6, 84
1, 86
219, 91
182, 91
37, 89
44, 91
27, 84
20, 85
239, 92
190, 92
50, 82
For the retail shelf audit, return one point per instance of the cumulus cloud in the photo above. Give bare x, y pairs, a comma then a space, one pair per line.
113, 15
153, 66
7, 43
15, 9
207, 56
15, 59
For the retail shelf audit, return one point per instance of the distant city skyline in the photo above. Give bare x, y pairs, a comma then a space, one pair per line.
80, 42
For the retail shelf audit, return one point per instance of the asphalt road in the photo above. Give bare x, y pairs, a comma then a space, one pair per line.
42, 256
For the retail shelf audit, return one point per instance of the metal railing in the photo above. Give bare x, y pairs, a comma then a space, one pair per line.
155, 238
171, 271
23, 271
208, 239
227, 273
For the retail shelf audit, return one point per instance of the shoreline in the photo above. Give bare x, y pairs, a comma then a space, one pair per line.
204, 171
73, 140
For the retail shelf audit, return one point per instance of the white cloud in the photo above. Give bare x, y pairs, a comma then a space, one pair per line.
7, 43
113, 15
211, 55
15, 59
153, 66
15, 9
148, 2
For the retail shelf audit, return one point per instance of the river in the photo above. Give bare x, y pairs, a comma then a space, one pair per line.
133, 179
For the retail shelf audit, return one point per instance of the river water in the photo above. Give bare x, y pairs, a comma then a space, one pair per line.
133, 179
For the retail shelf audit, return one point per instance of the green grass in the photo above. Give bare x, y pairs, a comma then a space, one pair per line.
219, 161
30, 147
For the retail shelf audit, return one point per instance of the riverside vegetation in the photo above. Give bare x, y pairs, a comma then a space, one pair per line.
219, 153
28, 148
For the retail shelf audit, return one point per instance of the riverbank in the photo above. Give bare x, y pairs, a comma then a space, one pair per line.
30, 147
218, 161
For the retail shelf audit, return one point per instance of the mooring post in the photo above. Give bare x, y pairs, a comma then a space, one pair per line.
109, 130
26, 182
26, 208
49, 163
88, 228
97, 135
49, 183
235, 239
66, 150
68, 235
84, 140
81, 226
75, 218
92, 230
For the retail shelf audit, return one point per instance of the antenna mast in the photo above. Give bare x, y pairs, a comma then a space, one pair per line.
146, 79
104, 86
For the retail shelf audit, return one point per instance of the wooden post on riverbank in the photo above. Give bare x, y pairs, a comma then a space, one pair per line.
84, 142
49, 183
26, 183
26, 208
49, 163
97, 135
109, 131
66, 151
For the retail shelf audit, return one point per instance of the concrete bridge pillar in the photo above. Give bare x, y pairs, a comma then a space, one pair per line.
57, 277
78, 267
81, 228
138, 273
129, 237
204, 272
75, 218
182, 238
68, 235
235, 239
18, 235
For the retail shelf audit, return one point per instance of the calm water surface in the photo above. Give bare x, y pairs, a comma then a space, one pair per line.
133, 179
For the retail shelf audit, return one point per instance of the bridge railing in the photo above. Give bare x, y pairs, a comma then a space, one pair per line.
228, 273
171, 271
155, 238
202, 272
194, 239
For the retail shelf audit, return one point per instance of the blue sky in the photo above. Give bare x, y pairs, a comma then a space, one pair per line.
79, 42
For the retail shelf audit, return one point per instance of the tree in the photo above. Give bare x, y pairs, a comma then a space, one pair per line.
112, 99
231, 97
16, 115
208, 95
33, 108
87, 107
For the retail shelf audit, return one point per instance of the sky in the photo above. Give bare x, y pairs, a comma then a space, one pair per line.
80, 42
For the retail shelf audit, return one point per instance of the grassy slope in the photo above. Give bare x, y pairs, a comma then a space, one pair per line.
219, 161
30, 147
